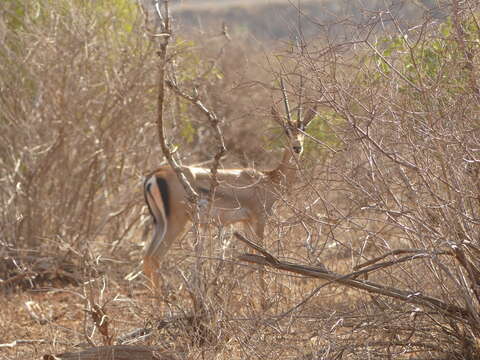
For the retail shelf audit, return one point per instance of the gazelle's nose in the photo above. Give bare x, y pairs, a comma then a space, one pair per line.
297, 149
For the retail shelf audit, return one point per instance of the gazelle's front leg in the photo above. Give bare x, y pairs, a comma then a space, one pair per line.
255, 230
259, 228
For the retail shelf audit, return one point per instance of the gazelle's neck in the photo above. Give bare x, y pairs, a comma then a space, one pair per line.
285, 173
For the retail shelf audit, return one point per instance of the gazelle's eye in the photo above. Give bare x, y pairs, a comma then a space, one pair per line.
302, 127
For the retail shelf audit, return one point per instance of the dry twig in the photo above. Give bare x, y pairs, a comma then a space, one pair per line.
347, 280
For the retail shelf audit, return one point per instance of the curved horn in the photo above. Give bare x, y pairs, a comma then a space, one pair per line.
285, 102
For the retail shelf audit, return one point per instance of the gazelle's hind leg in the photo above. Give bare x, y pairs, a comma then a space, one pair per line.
150, 262
153, 198
156, 250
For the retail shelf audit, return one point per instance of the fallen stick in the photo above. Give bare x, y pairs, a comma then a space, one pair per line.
16, 278
117, 352
348, 280
22, 342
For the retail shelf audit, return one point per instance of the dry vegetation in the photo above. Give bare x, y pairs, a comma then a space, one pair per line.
390, 188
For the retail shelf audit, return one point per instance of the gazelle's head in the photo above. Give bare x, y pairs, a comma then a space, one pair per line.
295, 130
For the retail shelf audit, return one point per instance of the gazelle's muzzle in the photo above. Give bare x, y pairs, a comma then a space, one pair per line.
297, 149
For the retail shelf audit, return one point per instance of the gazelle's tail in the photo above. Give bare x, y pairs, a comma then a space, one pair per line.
157, 199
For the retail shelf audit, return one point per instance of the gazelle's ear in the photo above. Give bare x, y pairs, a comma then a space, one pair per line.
276, 116
309, 115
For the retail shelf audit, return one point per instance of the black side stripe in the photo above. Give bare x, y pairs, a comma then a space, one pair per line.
147, 189
163, 186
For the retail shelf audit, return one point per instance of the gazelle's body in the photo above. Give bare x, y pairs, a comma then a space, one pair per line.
242, 196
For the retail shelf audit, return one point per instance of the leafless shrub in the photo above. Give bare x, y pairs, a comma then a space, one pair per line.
404, 172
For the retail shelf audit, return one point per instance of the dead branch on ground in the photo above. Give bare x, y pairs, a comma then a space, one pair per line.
348, 280
118, 352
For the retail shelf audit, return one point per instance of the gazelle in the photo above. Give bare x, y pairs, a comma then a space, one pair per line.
243, 195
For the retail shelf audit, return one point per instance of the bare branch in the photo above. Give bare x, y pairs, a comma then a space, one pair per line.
22, 342
403, 77
371, 287
215, 123
117, 352
162, 53
415, 252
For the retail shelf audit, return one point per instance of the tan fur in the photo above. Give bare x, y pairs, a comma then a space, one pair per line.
242, 196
